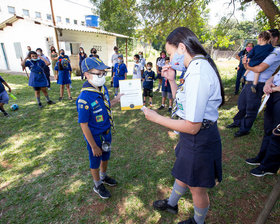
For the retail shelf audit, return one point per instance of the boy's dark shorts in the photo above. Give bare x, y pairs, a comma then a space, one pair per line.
37, 88
148, 92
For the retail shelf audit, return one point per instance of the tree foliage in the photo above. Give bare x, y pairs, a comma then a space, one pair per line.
119, 16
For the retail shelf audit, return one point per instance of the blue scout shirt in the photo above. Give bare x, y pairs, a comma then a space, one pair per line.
259, 53
149, 78
2, 88
92, 110
120, 70
64, 76
63, 57
273, 60
37, 76
200, 96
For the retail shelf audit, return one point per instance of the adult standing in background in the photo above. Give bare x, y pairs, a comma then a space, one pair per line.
198, 162
39, 51
142, 59
54, 57
240, 69
249, 102
268, 158
82, 56
93, 53
159, 64
114, 60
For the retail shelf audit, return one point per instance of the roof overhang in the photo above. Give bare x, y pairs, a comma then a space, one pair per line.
10, 21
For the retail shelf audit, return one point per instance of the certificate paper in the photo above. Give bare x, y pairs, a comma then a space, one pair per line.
132, 98
264, 102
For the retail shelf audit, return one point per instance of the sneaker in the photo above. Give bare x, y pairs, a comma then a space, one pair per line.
161, 107
189, 221
162, 205
102, 191
241, 133
40, 105
109, 181
170, 109
157, 90
50, 102
60, 99
254, 88
70, 98
258, 172
151, 104
253, 161
232, 125
6, 114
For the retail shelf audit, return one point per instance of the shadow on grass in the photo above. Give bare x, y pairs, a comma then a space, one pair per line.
45, 176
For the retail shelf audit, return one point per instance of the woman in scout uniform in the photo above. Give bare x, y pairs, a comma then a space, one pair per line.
198, 154
95, 118
63, 69
37, 79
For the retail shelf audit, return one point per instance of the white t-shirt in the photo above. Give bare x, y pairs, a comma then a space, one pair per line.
114, 58
137, 70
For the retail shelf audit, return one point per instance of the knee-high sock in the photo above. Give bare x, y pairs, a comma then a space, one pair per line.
177, 192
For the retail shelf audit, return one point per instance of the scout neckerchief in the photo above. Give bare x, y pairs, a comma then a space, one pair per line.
102, 93
175, 106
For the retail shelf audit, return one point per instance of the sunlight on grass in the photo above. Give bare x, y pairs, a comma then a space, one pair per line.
74, 187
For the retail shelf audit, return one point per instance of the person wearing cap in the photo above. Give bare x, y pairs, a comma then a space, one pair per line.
95, 118
119, 73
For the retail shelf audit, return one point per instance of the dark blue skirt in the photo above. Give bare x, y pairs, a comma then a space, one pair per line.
199, 158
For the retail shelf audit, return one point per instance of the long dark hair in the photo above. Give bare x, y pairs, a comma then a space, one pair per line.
194, 47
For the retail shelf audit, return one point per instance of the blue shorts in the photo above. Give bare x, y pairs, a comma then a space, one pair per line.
116, 81
94, 161
4, 97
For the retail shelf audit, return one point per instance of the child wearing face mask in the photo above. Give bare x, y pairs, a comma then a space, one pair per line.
93, 53
119, 73
138, 69
37, 79
82, 56
63, 69
148, 79
96, 121
257, 55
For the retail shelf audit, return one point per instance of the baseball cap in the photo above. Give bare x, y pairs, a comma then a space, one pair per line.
120, 56
92, 62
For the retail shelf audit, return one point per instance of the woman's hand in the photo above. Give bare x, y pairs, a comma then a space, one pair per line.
151, 115
268, 87
168, 72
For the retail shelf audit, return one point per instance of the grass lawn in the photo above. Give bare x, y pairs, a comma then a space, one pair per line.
44, 168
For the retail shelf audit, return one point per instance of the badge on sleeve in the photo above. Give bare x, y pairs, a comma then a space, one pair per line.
94, 103
86, 107
99, 118
82, 101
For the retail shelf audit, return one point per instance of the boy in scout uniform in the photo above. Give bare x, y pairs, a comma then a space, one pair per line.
95, 118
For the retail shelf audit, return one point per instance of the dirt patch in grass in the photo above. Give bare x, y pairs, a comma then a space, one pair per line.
5, 164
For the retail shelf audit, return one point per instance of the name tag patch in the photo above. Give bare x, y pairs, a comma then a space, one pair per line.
94, 103
99, 118
97, 111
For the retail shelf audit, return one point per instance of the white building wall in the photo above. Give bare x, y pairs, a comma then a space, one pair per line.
103, 43
27, 33
72, 9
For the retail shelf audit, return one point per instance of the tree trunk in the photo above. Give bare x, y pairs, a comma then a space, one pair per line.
269, 9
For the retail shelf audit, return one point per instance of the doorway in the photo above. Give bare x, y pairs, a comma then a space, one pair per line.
5, 56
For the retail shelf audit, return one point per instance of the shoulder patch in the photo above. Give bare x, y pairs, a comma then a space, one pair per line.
82, 101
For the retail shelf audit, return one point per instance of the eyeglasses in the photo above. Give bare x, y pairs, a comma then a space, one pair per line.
100, 75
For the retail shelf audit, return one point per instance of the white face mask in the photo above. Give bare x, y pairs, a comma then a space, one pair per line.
149, 68
136, 61
119, 61
95, 81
